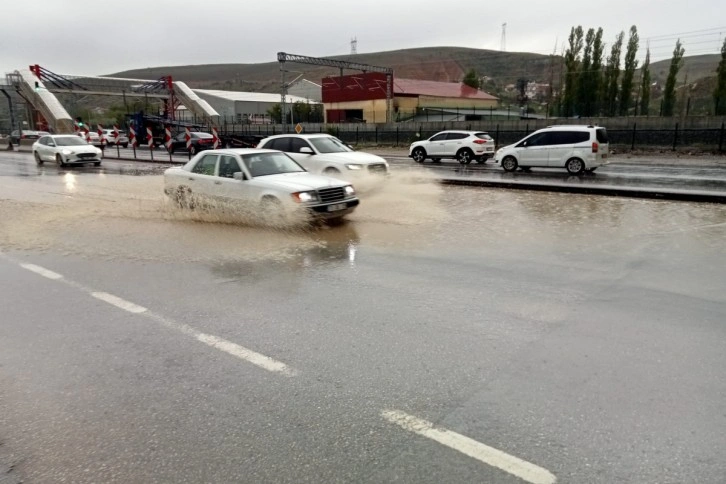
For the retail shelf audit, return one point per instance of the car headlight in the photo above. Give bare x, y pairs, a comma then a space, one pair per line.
354, 167
349, 190
303, 197
67, 152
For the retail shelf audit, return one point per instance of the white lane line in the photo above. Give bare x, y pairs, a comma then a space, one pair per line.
489, 455
243, 353
42, 271
238, 351
119, 303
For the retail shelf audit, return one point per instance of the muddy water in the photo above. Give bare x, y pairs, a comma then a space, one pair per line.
128, 217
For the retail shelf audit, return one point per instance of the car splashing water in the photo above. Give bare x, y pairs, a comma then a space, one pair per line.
129, 217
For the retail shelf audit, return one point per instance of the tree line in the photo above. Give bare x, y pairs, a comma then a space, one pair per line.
595, 85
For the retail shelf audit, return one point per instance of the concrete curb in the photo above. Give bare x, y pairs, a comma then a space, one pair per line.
612, 191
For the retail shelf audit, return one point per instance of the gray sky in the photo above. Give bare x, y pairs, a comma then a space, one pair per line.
92, 38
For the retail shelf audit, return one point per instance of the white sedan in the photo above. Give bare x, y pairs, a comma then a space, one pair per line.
65, 149
258, 180
327, 155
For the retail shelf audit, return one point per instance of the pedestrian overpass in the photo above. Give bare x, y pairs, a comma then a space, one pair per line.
39, 86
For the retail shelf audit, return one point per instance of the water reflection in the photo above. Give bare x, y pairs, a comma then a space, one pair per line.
69, 180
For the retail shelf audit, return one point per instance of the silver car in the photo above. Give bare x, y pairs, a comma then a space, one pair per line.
65, 149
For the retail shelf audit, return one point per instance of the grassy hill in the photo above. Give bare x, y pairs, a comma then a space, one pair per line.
696, 67
434, 63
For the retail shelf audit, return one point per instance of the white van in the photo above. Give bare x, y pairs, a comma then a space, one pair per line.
575, 148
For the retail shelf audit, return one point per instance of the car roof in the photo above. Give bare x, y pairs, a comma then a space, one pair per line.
302, 135
582, 127
463, 131
242, 151
62, 135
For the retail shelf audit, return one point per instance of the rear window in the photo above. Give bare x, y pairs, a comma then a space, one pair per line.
602, 135
483, 136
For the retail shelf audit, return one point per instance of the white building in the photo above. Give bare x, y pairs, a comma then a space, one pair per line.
242, 107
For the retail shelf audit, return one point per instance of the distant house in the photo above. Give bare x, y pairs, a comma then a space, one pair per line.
308, 90
244, 107
362, 97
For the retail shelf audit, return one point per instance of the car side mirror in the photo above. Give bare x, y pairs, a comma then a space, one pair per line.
238, 175
306, 150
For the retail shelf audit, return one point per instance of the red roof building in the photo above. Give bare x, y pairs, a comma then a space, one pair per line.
362, 97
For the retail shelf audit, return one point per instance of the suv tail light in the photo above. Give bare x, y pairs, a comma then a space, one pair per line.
480, 141
594, 146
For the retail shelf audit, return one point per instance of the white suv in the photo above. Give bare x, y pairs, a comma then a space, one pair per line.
576, 148
464, 146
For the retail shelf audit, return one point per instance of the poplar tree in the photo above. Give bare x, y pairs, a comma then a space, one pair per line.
572, 58
626, 87
669, 95
612, 73
595, 80
719, 94
645, 86
583, 86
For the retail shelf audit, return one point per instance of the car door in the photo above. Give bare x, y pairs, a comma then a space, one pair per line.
435, 146
202, 176
231, 190
532, 151
42, 148
561, 144
452, 144
313, 162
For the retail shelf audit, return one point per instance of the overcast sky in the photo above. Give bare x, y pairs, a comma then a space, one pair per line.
93, 38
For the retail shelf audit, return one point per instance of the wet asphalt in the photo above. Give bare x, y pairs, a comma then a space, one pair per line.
583, 334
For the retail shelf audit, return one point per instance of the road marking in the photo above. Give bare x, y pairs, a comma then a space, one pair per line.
119, 303
243, 353
238, 351
489, 455
42, 271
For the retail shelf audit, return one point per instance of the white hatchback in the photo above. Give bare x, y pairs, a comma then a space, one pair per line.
327, 155
263, 180
65, 149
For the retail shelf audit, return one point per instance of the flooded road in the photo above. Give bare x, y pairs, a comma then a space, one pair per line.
583, 335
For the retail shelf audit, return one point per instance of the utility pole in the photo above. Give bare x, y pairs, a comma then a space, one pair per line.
503, 46
354, 46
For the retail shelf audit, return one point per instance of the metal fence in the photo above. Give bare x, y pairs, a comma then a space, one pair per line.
623, 137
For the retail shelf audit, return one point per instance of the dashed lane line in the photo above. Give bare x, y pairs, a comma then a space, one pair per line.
238, 351
489, 455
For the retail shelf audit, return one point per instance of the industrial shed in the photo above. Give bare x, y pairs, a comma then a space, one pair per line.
242, 107
362, 98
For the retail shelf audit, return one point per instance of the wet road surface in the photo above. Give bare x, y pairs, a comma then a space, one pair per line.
581, 337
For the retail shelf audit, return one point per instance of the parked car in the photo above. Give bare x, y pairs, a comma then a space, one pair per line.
93, 136
267, 179
465, 146
200, 141
26, 134
122, 139
65, 149
576, 148
327, 155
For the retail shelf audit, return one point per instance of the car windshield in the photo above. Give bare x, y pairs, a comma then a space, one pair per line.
483, 136
329, 145
602, 135
263, 164
201, 135
69, 141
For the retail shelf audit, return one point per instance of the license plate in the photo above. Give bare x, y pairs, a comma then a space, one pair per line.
337, 206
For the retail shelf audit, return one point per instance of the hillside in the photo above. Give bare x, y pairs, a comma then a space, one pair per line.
434, 63
696, 67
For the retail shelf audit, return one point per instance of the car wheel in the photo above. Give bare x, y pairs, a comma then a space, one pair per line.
509, 163
591, 170
465, 156
331, 172
575, 166
125, 145
183, 197
96, 163
436, 160
37, 158
418, 155
59, 160
482, 159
